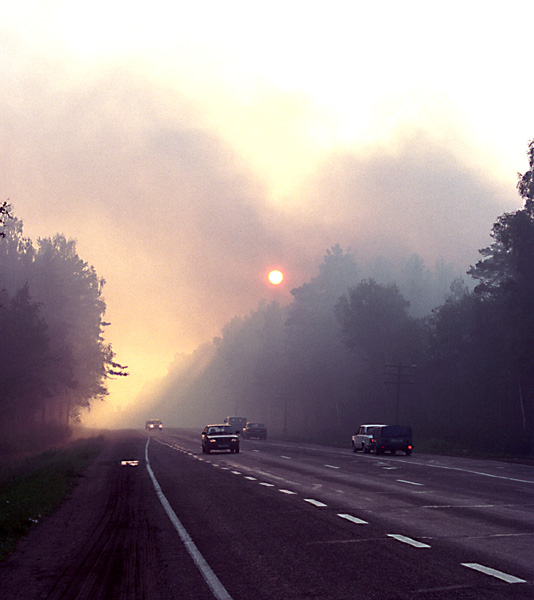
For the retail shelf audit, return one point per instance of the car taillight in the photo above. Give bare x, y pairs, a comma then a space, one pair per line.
410, 448
373, 440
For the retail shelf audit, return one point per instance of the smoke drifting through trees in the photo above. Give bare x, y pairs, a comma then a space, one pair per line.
317, 368
54, 361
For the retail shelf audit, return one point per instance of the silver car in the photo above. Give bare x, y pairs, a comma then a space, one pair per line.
363, 439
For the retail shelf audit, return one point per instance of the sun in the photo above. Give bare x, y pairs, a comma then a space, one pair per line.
275, 277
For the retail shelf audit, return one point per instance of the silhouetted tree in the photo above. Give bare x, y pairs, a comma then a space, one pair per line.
321, 388
53, 357
505, 278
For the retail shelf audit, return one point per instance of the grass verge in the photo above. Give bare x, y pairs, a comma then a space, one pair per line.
33, 487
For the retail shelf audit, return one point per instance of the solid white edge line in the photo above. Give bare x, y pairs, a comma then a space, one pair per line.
407, 540
494, 573
219, 591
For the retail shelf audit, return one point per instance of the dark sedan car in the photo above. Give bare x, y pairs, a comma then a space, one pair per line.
219, 437
255, 430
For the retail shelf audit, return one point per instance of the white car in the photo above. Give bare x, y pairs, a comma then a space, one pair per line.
363, 439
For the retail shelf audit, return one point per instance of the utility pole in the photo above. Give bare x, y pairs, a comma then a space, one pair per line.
399, 375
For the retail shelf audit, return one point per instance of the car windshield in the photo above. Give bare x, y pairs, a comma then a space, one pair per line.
216, 430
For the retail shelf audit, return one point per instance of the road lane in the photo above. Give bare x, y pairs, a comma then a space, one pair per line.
340, 493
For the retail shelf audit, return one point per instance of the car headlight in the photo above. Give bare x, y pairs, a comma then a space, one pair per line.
234, 440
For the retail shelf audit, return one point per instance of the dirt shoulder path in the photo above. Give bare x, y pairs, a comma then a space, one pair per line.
109, 539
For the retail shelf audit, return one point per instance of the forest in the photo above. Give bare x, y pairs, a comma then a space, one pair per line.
54, 361
450, 355
457, 364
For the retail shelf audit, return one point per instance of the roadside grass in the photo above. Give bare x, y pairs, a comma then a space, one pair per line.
33, 487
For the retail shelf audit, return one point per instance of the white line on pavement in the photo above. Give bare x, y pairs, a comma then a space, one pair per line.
407, 540
352, 519
219, 591
409, 482
314, 502
493, 573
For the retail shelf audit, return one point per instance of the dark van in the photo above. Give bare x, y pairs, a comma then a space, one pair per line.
390, 438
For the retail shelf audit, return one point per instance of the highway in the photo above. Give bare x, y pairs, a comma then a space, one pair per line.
288, 521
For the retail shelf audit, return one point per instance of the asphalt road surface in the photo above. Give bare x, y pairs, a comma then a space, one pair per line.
155, 518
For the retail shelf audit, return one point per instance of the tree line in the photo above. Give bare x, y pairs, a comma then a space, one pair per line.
351, 349
54, 360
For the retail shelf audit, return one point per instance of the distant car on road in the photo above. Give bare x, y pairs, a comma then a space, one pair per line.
219, 437
154, 425
237, 423
383, 438
363, 439
254, 430
390, 438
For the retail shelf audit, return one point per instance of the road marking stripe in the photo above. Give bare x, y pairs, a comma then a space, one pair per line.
219, 591
251, 478
289, 457
236, 472
352, 519
314, 502
266, 484
494, 573
288, 492
409, 482
407, 540
331, 466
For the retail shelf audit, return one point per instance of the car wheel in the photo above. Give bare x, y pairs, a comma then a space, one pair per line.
354, 449
393, 452
236, 450
377, 450
365, 449
208, 450
408, 452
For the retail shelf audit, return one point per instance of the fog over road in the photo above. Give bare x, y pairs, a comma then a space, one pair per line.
282, 521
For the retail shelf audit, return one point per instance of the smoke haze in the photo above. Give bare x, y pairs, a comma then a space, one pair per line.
179, 217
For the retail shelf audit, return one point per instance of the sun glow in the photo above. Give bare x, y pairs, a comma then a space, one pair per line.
276, 277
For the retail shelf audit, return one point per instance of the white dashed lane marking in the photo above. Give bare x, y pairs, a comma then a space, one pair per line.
314, 502
407, 540
352, 519
494, 573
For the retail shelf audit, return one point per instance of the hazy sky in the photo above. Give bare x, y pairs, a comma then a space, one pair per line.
189, 147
